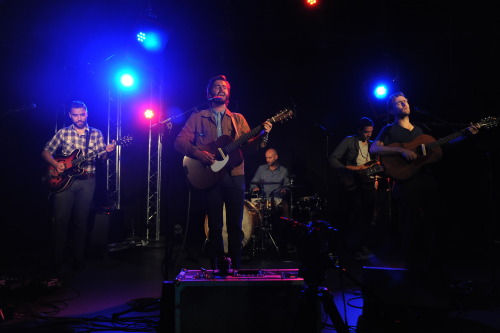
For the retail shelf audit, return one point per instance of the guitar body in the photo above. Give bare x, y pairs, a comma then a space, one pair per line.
203, 176
399, 168
56, 182
351, 179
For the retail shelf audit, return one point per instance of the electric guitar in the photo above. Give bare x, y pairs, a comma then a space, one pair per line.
352, 178
227, 154
57, 182
428, 150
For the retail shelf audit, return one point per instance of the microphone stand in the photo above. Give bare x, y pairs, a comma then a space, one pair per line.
169, 120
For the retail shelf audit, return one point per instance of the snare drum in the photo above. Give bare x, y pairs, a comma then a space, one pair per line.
251, 219
263, 204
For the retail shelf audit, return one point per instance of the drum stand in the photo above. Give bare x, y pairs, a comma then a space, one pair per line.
263, 237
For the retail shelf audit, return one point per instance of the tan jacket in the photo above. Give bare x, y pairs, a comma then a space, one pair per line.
200, 131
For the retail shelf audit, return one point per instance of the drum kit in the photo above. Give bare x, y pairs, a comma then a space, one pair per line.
259, 213
265, 210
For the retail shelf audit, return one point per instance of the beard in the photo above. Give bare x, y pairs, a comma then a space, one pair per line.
219, 100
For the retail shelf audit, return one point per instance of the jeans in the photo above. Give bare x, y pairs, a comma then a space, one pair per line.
71, 215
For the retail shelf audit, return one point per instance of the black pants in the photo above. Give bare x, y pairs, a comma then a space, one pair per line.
420, 211
230, 193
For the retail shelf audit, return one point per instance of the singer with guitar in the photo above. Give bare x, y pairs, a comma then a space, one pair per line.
71, 206
418, 201
353, 163
198, 141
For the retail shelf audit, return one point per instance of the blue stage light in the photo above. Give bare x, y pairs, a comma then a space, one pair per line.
380, 92
152, 40
127, 80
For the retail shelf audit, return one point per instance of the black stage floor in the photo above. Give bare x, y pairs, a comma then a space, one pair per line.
121, 290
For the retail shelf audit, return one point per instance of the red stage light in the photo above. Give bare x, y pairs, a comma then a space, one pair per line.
149, 114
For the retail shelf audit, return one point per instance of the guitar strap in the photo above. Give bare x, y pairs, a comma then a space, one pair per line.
235, 127
87, 139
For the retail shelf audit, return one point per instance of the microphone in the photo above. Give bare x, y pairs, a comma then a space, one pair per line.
215, 98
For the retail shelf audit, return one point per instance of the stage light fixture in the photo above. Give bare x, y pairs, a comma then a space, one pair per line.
312, 2
127, 80
152, 41
149, 114
380, 91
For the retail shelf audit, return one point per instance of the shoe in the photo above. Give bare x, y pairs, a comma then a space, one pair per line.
358, 255
367, 253
364, 254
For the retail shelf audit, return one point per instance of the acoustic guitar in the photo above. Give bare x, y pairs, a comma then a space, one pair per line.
56, 182
227, 154
428, 150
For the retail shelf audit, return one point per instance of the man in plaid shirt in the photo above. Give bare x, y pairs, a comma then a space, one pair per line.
73, 204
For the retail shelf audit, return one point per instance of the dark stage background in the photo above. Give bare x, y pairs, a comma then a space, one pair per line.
276, 54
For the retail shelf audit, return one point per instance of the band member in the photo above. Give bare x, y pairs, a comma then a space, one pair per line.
418, 200
349, 159
272, 181
74, 203
202, 129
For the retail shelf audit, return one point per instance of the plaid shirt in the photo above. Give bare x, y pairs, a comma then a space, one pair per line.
66, 140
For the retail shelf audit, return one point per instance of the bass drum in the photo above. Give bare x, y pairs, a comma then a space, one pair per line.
251, 219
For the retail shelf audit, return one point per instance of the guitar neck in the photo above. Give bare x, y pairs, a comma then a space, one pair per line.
89, 156
447, 139
242, 139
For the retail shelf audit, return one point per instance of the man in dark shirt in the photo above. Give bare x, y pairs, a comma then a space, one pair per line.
418, 200
349, 159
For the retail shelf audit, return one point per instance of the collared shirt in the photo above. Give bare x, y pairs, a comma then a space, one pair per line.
270, 181
67, 140
218, 121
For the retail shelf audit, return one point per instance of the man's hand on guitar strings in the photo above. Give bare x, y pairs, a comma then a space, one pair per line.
205, 157
267, 126
408, 154
111, 147
473, 129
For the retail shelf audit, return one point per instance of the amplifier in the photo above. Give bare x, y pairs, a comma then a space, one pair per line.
259, 300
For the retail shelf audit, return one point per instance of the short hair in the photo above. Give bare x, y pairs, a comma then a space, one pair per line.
215, 78
77, 105
390, 100
272, 149
364, 122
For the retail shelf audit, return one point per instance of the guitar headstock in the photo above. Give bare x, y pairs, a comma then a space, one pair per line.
124, 141
281, 116
488, 122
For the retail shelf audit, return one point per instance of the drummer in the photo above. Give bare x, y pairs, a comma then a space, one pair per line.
271, 181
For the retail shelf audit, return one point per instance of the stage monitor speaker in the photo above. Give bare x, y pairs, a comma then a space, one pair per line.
264, 300
401, 297
106, 228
